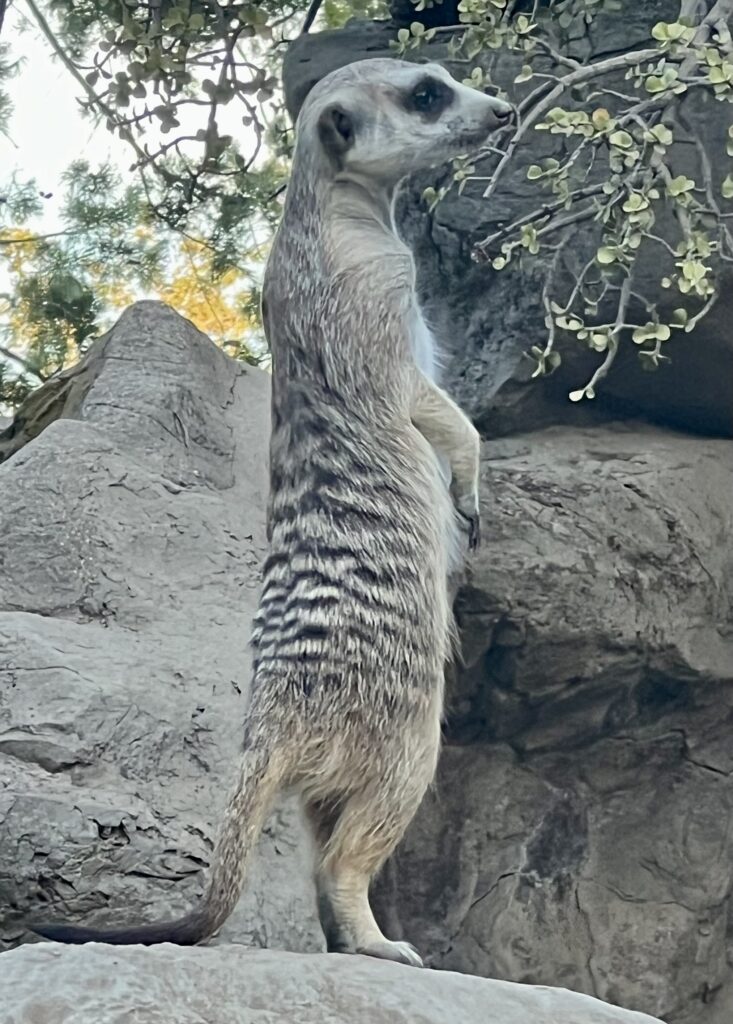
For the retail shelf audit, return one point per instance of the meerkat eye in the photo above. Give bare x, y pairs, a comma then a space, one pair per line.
430, 96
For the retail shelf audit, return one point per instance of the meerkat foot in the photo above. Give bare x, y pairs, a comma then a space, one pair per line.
400, 952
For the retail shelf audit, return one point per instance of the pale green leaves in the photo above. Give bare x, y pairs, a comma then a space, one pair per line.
543, 169
668, 34
586, 392
567, 122
411, 38
607, 254
529, 240
661, 134
680, 185
651, 332
621, 140
547, 361
720, 72
432, 196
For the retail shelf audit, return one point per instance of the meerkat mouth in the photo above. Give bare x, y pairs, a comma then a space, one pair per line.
472, 138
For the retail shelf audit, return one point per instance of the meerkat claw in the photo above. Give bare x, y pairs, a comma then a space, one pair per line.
473, 519
399, 952
474, 531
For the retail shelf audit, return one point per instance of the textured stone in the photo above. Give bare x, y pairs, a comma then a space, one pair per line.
579, 832
94, 984
580, 829
131, 535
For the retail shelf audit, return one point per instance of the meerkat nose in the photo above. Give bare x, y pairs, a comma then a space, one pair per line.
505, 114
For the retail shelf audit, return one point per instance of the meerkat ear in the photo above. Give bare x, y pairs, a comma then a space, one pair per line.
336, 130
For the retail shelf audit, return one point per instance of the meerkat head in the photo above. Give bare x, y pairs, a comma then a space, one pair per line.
382, 119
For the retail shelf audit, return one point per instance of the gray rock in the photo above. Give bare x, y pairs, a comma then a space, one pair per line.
94, 984
487, 320
131, 535
579, 831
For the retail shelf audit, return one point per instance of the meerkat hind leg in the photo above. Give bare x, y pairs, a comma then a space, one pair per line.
352, 848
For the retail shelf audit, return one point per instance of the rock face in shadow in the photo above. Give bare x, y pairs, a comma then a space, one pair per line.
94, 983
487, 320
579, 832
131, 538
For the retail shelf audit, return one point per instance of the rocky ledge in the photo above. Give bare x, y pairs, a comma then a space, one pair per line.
96, 984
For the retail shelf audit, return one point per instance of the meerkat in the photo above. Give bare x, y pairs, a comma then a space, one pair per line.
354, 623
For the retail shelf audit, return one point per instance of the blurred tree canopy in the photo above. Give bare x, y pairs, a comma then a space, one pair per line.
190, 87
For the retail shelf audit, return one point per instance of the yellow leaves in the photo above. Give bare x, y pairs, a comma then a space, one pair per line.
18, 248
214, 306
115, 295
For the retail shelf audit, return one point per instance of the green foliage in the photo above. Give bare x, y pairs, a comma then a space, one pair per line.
190, 86
8, 68
614, 171
58, 282
337, 12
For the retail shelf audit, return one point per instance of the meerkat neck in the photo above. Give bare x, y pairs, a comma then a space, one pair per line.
336, 245
365, 199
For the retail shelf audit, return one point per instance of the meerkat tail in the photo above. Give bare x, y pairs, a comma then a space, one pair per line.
260, 778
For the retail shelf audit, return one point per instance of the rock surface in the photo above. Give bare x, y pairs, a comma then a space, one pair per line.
579, 832
94, 984
585, 799
131, 535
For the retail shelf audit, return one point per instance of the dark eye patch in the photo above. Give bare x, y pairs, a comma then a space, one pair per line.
430, 97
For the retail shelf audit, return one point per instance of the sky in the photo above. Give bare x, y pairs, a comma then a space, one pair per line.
43, 94
48, 129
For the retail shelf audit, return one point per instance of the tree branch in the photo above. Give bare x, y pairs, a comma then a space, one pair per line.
28, 367
310, 16
95, 100
584, 74
613, 340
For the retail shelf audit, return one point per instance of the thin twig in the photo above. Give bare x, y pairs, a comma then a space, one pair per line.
583, 74
310, 16
544, 211
694, 320
613, 339
28, 367
95, 100
34, 238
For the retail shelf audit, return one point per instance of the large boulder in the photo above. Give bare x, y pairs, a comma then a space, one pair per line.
95, 984
131, 537
579, 831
